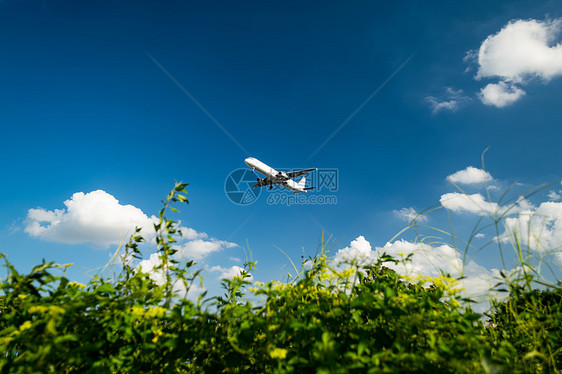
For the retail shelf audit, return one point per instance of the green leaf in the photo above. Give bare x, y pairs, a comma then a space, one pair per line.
105, 288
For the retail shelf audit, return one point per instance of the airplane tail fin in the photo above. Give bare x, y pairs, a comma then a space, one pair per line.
302, 183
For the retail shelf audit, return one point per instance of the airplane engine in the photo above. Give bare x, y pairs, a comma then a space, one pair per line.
261, 182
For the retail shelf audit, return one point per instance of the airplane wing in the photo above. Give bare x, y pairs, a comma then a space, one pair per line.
294, 174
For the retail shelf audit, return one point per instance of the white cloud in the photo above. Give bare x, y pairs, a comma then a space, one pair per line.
150, 266
437, 106
409, 214
98, 218
470, 175
520, 51
480, 235
539, 228
426, 260
194, 250
500, 94
147, 266
229, 273
95, 217
553, 196
435, 260
359, 250
198, 248
475, 203
189, 234
451, 100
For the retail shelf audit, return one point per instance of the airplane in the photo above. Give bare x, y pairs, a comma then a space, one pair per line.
273, 176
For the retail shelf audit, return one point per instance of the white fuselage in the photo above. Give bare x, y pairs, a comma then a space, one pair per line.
273, 176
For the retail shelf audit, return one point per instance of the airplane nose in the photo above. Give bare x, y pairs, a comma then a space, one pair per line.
248, 161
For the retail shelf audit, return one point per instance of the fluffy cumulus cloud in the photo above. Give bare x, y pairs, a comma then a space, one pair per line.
540, 228
520, 51
426, 260
148, 266
537, 227
198, 248
192, 250
475, 203
98, 218
151, 266
451, 100
500, 94
229, 273
188, 233
409, 215
359, 250
470, 175
95, 217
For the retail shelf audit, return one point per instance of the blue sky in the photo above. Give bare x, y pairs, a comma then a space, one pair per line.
94, 97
